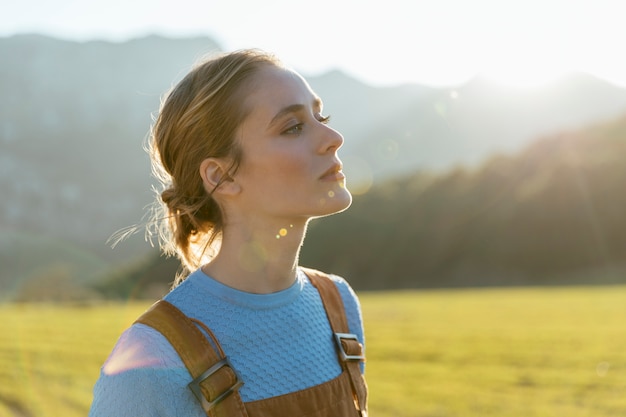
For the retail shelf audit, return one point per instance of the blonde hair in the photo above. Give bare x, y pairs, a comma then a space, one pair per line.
198, 120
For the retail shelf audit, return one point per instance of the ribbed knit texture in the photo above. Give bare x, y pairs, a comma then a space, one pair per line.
278, 343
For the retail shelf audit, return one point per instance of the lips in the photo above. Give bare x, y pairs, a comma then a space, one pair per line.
333, 174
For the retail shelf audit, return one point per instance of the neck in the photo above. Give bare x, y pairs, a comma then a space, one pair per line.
258, 259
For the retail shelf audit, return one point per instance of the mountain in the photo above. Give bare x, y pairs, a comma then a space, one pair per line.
396, 130
74, 116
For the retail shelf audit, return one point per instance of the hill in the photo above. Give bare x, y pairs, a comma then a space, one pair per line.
40, 268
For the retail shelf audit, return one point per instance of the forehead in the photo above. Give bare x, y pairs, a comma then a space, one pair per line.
274, 88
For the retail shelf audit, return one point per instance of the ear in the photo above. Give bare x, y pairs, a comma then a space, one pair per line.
215, 177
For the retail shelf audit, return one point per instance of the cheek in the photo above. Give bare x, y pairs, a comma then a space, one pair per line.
294, 168
288, 165
277, 171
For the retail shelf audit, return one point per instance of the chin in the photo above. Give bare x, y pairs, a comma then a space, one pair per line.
336, 201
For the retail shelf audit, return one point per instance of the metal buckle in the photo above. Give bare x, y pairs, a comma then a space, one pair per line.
197, 391
342, 352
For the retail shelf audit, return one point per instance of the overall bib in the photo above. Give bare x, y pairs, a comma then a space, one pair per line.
216, 384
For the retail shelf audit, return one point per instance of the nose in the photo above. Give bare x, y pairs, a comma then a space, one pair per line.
331, 140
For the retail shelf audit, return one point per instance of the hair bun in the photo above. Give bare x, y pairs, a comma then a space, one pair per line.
168, 195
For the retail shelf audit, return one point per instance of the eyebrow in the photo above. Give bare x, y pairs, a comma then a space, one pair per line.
293, 108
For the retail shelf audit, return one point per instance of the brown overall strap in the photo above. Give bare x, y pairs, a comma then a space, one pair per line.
214, 380
350, 350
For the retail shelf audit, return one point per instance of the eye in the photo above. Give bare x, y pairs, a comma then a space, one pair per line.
298, 127
294, 129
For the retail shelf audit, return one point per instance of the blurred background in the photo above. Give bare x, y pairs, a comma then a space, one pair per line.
485, 140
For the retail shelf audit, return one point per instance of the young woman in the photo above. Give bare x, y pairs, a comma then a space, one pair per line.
247, 159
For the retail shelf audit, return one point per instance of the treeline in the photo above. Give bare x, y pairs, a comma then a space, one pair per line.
553, 214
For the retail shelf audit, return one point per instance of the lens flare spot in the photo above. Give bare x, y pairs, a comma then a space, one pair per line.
129, 355
331, 194
282, 232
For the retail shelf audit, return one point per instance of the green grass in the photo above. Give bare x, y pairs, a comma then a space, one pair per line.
495, 352
511, 352
50, 355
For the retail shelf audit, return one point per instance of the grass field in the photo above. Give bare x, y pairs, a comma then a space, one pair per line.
493, 352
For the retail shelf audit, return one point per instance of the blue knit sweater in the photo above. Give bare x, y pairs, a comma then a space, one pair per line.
278, 343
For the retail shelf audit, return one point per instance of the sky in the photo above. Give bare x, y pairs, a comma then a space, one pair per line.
384, 42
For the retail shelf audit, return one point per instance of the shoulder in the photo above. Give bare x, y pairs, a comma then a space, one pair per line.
138, 347
143, 376
348, 295
351, 303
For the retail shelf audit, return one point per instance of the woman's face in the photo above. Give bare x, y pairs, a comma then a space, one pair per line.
289, 169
